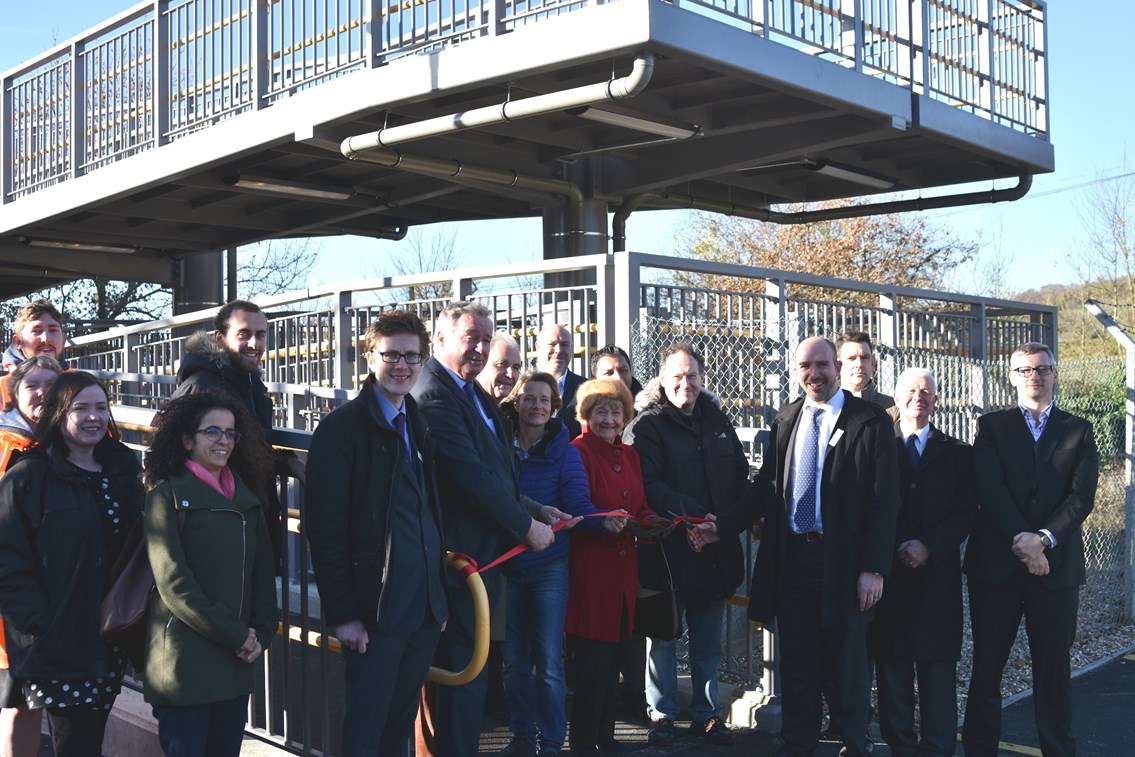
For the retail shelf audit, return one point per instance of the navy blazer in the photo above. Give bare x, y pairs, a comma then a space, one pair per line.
1024, 485
480, 498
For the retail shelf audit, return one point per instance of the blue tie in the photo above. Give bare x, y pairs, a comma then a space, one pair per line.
912, 449
806, 471
400, 426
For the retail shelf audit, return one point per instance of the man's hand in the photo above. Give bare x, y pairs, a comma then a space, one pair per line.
1027, 546
540, 536
296, 469
913, 553
870, 590
699, 535
353, 635
1037, 566
614, 523
551, 515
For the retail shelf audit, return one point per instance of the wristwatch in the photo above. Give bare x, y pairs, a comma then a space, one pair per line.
1045, 539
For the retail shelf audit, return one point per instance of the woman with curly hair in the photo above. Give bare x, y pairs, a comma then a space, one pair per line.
65, 510
215, 605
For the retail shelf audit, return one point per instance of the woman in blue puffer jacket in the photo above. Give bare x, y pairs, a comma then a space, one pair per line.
550, 472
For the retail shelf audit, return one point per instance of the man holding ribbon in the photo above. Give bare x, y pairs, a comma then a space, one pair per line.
374, 527
480, 503
692, 464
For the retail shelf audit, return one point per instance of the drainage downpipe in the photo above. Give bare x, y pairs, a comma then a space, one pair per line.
510, 110
619, 221
670, 200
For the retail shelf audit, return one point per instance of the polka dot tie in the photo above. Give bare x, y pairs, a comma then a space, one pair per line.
806, 472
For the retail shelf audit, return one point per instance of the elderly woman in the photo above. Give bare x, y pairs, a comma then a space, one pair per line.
215, 606
551, 473
65, 510
603, 567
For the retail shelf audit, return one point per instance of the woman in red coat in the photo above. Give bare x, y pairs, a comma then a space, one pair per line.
603, 569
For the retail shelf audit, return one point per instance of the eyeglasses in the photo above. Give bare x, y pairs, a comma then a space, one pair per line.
1028, 370
411, 358
214, 434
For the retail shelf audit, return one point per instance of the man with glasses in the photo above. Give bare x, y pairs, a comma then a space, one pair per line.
374, 526
1035, 468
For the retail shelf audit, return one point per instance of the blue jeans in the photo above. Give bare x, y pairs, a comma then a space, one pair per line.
703, 623
534, 636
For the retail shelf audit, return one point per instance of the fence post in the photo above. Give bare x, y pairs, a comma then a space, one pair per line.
1128, 345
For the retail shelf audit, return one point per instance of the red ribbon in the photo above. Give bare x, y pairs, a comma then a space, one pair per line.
560, 524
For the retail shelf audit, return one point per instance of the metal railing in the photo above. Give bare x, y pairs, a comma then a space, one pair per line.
747, 333
164, 69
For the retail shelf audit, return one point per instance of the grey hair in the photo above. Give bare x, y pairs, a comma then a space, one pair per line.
910, 373
454, 311
503, 337
1033, 348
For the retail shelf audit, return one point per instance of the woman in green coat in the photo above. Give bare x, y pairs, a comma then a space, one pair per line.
215, 607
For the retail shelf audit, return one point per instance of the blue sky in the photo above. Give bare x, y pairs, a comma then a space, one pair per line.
1089, 127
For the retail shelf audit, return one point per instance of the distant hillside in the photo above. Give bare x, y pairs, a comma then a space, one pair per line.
1080, 336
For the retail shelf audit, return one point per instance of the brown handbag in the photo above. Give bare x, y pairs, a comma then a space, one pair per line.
126, 606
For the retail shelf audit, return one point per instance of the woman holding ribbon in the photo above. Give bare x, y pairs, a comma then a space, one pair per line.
551, 473
604, 565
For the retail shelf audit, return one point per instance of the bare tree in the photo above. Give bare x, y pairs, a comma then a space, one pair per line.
275, 266
425, 249
1106, 265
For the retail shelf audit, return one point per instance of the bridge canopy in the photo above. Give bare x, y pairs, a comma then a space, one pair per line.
190, 126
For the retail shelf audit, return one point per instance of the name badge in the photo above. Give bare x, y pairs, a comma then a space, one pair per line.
836, 436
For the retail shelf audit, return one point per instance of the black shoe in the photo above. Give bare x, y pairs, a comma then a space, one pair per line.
520, 746
661, 733
713, 731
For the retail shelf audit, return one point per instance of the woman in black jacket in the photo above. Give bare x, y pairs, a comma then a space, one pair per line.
65, 510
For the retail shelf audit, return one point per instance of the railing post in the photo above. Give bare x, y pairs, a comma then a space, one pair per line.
626, 285
161, 100
78, 102
987, 99
776, 365
261, 71
7, 141
605, 297
494, 23
886, 363
344, 341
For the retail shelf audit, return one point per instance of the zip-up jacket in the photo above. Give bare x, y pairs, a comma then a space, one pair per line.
54, 559
215, 581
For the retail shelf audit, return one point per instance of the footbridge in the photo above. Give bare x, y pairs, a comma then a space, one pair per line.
185, 127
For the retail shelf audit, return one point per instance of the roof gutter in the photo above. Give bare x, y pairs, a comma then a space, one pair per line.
611, 90
671, 200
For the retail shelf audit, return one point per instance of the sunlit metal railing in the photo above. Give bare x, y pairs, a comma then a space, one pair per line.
162, 70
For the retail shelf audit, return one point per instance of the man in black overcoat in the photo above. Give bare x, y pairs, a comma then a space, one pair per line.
827, 545
918, 622
1036, 468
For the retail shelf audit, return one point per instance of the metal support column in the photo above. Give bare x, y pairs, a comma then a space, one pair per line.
201, 283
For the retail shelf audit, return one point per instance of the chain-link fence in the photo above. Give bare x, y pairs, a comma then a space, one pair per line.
752, 376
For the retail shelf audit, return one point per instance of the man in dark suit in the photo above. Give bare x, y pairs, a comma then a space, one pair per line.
830, 492
918, 622
555, 351
1036, 469
480, 503
374, 527
857, 369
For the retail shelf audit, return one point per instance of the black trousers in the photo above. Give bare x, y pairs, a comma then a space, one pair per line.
937, 700
592, 716
996, 610
382, 691
77, 731
215, 729
457, 710
811, 655
632, 664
